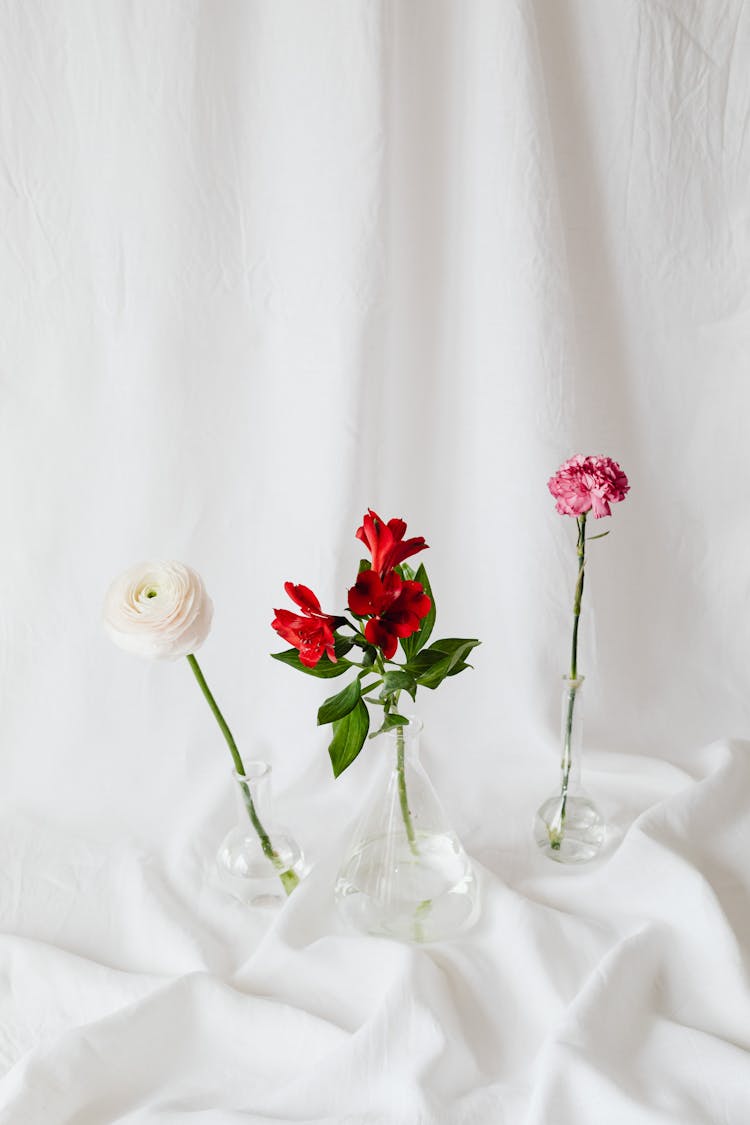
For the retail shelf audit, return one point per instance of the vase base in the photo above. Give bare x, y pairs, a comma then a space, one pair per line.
249, 876
577, 839
422, 892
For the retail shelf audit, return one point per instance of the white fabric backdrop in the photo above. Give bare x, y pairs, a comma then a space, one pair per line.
262, 265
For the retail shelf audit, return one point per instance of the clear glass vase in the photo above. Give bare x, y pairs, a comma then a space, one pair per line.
406, 874
259, 861
568, 827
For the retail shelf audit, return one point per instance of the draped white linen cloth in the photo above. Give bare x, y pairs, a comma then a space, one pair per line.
263, 265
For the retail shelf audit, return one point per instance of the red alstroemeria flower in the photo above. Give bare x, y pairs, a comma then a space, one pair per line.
386, 542
312, 633
395, 608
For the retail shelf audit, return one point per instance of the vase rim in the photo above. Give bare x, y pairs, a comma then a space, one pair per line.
412, 729
254, 771
566, 679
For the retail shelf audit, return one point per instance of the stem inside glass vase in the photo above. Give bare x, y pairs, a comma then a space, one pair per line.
403, 796
557, 828
289, 879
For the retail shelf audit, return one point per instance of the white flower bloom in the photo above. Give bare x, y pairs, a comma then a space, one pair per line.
159, 610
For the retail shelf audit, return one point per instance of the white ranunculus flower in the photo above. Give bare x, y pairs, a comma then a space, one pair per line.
159, 610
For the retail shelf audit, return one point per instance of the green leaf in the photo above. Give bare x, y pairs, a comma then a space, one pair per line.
390, 722
423, 662
451, 646
349, 736
324, 669
340, 704
413, 644
443, 658
405, 571
438, 650
395, 720
398, 681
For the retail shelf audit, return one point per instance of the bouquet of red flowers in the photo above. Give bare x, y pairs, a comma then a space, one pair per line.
390, 605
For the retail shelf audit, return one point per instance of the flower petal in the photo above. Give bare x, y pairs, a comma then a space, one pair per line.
303, 596
378, 633
158, 610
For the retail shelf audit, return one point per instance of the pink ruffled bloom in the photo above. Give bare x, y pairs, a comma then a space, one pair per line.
585, 484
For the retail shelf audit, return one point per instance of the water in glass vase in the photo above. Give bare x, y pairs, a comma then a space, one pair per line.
406, 874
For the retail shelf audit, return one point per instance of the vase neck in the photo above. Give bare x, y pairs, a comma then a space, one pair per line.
572, 730
570, 684
404, 741
256, 781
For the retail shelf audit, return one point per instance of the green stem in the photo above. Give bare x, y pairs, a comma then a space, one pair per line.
288, 879
402, 794
581, 547
557, 827
558, 824
403, 797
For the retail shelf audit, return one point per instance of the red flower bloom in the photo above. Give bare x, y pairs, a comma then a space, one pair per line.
312, 633
395, 607
386, 543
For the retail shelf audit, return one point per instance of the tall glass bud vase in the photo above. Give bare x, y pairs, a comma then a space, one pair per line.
569, 827
406, 874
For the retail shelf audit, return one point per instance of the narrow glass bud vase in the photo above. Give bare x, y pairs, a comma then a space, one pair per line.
259, 861
406, 874
569, 827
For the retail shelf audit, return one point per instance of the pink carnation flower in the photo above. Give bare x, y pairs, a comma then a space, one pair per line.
588, 483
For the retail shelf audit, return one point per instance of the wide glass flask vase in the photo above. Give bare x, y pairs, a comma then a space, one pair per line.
406, 874
568, 826
259, 861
